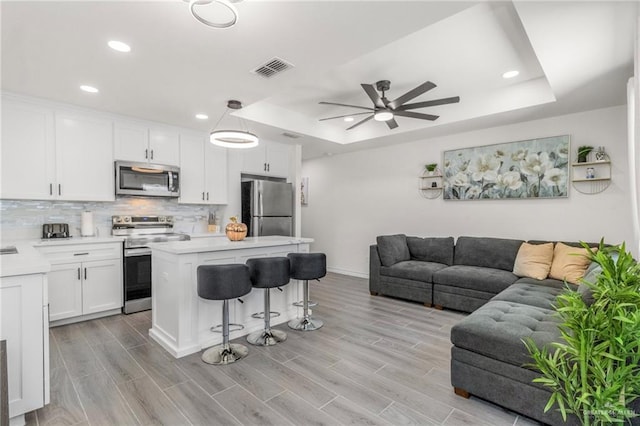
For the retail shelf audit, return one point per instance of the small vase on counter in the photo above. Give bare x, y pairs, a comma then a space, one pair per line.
235, 230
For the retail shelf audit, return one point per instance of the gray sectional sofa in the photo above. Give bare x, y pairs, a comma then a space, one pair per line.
474, 275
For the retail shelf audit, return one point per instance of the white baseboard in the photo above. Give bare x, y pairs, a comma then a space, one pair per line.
348, 272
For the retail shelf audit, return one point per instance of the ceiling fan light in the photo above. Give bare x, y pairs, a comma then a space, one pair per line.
233, 139
383, 115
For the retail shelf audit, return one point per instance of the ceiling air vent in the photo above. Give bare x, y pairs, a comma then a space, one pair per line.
291, 135
272, 67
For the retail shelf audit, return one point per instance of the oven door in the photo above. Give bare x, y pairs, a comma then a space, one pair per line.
137, 280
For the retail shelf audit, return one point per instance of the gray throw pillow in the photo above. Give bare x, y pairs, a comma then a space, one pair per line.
392, 249
438, 250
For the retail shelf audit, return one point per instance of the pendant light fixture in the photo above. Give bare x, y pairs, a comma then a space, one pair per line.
197, 6
232, 138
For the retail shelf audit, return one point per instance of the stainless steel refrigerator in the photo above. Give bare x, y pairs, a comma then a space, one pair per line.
267, 208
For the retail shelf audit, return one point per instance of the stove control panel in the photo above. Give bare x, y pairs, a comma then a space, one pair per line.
142, 220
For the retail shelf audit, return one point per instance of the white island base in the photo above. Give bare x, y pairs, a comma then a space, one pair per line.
182, 320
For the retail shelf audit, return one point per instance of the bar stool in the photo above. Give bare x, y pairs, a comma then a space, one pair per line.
307, 266
224, 282
267, 273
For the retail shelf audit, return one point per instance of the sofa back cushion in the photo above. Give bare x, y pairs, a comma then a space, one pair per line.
438, 250
534, 260
392, 249
498, 253
569, 263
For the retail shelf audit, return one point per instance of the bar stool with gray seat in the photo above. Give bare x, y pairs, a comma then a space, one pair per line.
307, 266
224, 282
267, 273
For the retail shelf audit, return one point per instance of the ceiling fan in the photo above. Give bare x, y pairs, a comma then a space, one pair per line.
385, 110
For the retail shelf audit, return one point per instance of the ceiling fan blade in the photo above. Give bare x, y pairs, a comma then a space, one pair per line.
342, 116
373, 95
419, 115
361, 122
392, 123
425, 104
345, 105
423, 88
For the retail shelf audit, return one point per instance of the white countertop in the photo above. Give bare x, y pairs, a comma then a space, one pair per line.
76, 240
201, 245
27, 261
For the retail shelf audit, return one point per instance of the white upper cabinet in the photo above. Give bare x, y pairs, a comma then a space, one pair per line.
84, 158
203, 172
268, 158
164, 146
139, 143
215, 171
28, 159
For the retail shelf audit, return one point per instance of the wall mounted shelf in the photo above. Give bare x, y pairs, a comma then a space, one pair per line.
601, 172
426, 188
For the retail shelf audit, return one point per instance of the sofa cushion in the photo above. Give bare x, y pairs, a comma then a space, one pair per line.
569, 263
475, 277
496, 330
438, 250
392, 249
496, 253
548, 282
534, 260
530, 294
412, 270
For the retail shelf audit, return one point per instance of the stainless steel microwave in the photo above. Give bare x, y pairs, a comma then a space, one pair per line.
147, 180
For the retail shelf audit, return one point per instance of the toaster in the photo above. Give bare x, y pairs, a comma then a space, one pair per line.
55, 230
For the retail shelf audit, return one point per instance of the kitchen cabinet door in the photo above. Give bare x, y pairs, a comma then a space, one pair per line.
192, 175
65, 291
215, 170
102, 285
268, 158
254, 160
164, 146
22, 326
84, 158
278, 159
131, 142
27, 164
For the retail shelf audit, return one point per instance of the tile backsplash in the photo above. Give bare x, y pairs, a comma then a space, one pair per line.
23, 219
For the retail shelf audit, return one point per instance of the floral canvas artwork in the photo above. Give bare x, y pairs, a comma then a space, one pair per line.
536, 168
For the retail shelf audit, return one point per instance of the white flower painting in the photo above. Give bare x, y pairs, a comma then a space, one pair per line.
536, 168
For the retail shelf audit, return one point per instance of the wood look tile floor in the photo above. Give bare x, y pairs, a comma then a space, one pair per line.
376, 361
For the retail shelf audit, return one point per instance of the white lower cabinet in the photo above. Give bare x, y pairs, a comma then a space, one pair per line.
24, 326
89, 287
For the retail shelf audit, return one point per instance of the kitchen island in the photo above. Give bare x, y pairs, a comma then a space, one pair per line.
181, 321
24, 324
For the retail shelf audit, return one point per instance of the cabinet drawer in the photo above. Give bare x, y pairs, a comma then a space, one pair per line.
81, 252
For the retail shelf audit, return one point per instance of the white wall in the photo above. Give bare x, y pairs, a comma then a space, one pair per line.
355, 197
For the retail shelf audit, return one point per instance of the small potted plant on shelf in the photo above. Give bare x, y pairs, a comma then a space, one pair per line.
431, 168
583, 152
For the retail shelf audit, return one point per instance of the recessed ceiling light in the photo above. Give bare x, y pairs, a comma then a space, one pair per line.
119, 46
348, 119
510, 74
89, 89
202, 116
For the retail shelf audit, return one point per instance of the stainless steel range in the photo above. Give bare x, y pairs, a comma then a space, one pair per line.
140, 231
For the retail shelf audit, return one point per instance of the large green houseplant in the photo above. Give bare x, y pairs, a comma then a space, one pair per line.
594, 372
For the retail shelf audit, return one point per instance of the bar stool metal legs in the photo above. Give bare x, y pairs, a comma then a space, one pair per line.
268, 273
306, 323
226, 353
223, 282
307, 266
267, 336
